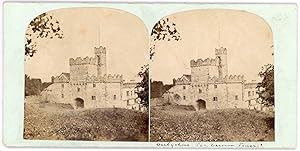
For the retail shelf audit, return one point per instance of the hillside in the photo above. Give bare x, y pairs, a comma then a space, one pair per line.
59, 121
181, 123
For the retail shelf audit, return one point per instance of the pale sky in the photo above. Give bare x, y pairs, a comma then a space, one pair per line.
247, 37
124, 36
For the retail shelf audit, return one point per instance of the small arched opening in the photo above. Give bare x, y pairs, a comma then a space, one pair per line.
79, 103
201, 104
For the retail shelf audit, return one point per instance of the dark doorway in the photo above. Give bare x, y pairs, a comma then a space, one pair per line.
201, 104
79, 103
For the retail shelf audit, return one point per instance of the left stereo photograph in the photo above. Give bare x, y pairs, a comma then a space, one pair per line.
85, 70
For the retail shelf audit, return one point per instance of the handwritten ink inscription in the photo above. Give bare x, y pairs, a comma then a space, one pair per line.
207, 145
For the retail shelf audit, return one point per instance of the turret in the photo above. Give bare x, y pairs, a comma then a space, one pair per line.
221, 57
100, 55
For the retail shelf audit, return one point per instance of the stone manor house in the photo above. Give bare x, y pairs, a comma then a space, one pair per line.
89, 86
209, 86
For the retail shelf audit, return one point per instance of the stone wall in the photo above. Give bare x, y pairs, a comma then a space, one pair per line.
81, 71
95, 95
215, 95
219, 91
202, 73
179, 94
57, 92
236, 95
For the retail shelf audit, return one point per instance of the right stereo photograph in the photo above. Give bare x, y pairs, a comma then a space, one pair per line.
212, 77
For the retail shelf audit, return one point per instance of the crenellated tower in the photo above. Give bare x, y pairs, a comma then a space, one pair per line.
100, 55
221, 57
202, 70
81, 68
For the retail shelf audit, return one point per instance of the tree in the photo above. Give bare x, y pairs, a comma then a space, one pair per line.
42, 26
156, 89
143, 86
266, 86
32, 86
162, 30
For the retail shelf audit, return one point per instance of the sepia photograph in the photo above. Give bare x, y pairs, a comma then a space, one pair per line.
83, 76
149, 75
212, 77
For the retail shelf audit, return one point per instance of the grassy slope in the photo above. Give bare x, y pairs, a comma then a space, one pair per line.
177, 123
56, 121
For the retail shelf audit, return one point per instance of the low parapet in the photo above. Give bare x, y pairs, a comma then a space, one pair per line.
234, 78
251, 85
116, 78
200, 62
100, 49
81, 61
130, 84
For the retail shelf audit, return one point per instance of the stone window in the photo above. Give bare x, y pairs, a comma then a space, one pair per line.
216, 86
78, 89
127, 93
94, 85
184, 97
127, 102
183, 87
249, 93
236, 97
200, 91
93, 97
252, 92
130, 93
215, 98
62, 96
62, 85
115, 97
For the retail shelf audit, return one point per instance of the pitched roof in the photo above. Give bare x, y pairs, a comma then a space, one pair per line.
67, 75
188, 76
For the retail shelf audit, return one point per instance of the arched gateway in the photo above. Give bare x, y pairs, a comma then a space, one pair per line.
201, 104
79, 103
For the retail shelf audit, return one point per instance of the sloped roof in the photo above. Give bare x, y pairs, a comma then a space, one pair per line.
63, 77
188, 76
67, 75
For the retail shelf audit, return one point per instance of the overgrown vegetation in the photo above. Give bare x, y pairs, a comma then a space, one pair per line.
59, 122
266, 86
34, 86
180, 123
158, 88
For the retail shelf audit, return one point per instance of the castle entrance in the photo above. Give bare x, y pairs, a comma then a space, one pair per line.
79, 103
201, 104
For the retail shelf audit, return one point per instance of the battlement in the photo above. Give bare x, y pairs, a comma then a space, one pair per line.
221, 51
116, 78
81, 61
100, 49
230, 78
200, 62
234, 78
